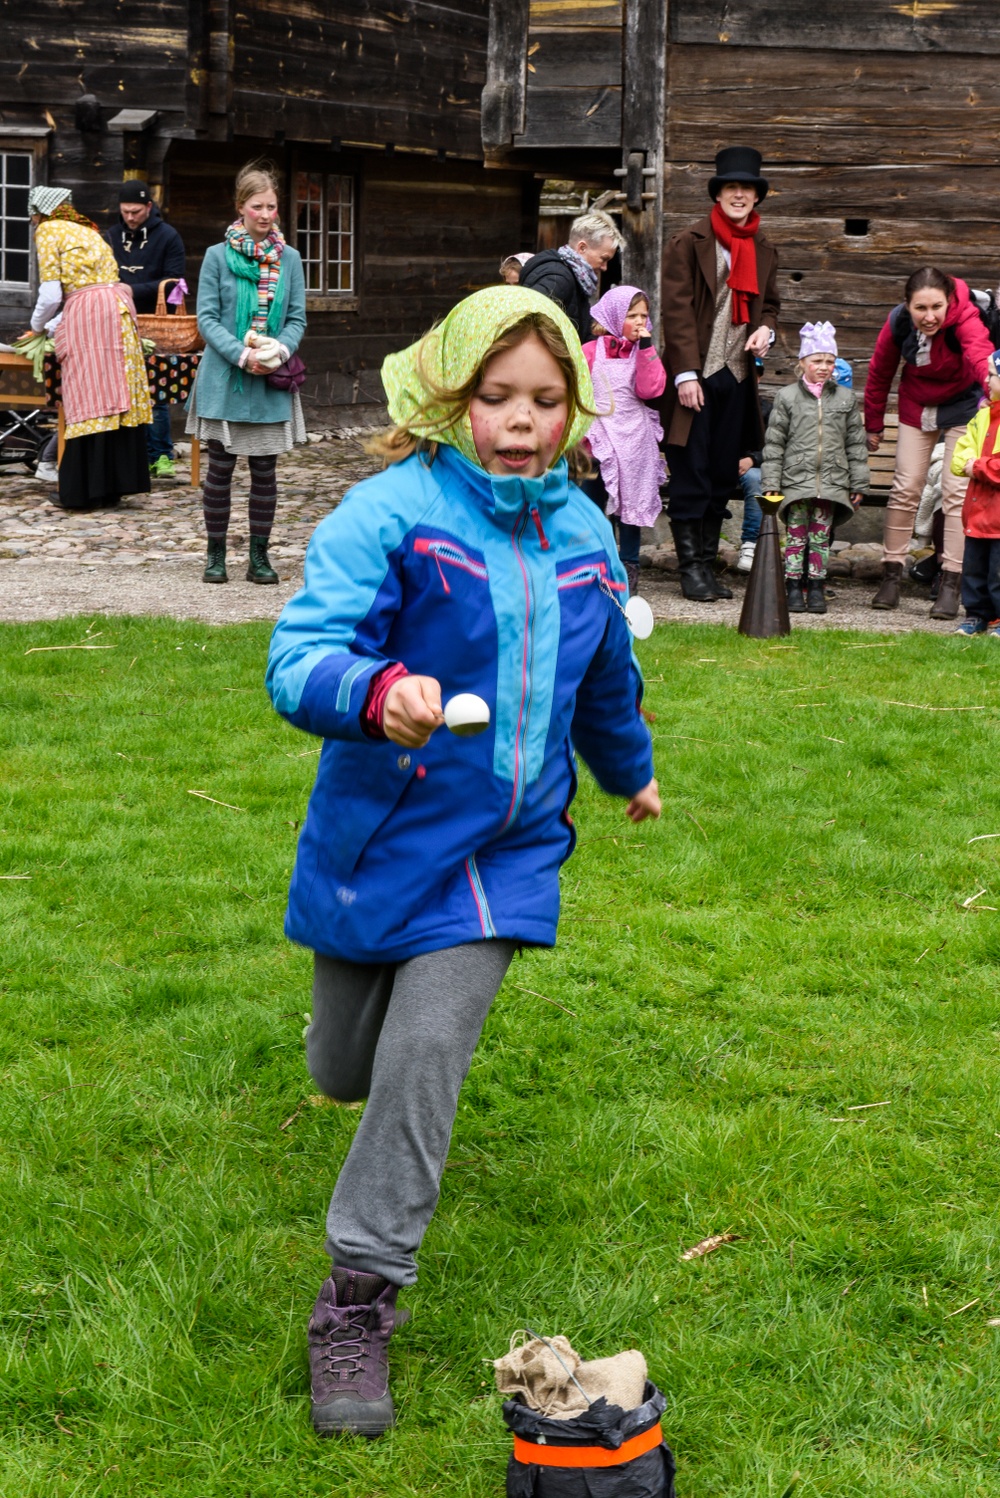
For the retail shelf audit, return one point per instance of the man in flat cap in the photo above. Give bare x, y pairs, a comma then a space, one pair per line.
720, 310
148, 251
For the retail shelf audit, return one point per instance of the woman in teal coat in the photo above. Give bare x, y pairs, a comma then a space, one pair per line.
252, 315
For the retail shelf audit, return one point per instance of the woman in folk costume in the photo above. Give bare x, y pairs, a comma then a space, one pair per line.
252, 315
627, 372
105, 393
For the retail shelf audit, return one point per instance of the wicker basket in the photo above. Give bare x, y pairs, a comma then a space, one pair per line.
172, 333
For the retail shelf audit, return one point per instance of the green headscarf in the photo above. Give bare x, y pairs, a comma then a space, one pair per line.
448, 356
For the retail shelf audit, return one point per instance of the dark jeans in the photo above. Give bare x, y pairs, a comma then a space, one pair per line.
981, 578
752, 512
158, 443
704, 473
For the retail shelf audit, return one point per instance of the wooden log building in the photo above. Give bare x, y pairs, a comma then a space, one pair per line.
879, 123
370, 111
413, 138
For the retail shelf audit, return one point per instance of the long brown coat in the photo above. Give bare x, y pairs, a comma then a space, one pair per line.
688, 300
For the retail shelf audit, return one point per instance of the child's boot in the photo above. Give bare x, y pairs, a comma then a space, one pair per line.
796, 602
816, 596
349, 1332
632, 574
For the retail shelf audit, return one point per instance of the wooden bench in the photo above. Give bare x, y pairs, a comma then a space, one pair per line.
882, 464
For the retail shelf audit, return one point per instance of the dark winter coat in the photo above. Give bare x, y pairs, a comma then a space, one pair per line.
548, 273
146, 256
688, 302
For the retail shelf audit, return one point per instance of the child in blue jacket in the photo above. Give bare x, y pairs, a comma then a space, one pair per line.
471, 564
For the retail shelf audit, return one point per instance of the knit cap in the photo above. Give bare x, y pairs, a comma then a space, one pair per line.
995, 362
46, 200
817, 338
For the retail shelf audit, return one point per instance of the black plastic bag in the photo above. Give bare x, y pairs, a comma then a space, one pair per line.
603, 1431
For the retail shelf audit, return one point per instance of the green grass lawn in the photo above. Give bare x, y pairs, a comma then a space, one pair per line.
794, 941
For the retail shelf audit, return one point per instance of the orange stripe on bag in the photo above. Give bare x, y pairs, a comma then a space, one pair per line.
587, 1456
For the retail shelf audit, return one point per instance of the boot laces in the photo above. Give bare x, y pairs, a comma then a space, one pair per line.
348, 1344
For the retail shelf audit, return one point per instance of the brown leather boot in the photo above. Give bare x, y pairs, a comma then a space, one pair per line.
949, 596
887, 596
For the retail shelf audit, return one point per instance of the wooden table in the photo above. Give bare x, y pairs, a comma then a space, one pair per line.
153, 363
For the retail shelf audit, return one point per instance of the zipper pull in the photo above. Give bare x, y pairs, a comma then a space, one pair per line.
543, 538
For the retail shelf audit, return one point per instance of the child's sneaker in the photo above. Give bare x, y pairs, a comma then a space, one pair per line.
747, 549
993, 629
974, 627
163, 468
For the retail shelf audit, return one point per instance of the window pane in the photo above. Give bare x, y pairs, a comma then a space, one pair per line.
15, 180
340, 233
15, 269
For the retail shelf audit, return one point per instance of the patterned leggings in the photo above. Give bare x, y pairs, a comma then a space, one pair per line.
215, 494
808, 523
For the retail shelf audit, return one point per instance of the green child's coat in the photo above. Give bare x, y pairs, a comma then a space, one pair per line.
215, 396
816, 449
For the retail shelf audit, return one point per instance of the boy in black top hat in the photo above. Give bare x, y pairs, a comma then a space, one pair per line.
148, 251
720, 311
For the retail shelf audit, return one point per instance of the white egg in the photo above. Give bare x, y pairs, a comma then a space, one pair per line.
466, 714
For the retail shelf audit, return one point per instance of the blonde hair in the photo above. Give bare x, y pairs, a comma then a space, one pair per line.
254, 177
449, 406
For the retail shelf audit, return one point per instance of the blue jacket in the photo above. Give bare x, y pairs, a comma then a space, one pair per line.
146, 256
493, 586
213, 395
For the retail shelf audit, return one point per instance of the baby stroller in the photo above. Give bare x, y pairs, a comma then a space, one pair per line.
27, 423
24, 433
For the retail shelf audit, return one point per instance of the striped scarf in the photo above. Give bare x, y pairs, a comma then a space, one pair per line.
257, 267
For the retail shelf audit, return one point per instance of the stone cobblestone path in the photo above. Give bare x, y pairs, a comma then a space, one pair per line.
146, 556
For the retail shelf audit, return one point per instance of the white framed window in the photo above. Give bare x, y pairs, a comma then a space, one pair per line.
325, 232
16, 173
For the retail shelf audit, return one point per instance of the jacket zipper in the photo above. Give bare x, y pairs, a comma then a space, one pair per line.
524, 711
542, 537
819, 447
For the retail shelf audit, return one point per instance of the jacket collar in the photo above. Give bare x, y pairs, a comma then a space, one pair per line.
503, 499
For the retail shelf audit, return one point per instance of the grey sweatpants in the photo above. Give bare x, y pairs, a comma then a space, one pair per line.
402, 1035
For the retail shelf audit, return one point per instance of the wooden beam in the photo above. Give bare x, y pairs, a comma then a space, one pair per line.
643, 119
502, 110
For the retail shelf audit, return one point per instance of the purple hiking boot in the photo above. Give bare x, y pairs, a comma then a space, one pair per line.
349, 1330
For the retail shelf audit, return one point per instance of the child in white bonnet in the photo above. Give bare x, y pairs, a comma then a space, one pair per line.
816, 458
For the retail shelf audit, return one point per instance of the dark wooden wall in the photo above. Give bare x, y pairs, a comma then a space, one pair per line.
130, 54
863, 111
428, 232
403, 71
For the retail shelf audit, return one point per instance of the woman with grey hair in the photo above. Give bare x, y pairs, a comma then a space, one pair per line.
571, 275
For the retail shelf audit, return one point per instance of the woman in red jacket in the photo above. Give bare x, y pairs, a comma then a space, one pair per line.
938, 334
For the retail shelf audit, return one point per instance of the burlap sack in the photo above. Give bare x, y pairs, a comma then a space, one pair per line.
546, 1384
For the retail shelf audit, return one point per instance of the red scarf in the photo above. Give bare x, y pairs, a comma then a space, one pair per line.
743, 271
